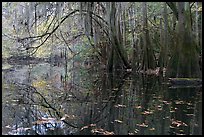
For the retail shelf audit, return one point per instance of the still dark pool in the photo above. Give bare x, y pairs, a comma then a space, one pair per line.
45, 99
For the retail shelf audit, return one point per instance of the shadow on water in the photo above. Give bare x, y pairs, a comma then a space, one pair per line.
43, 99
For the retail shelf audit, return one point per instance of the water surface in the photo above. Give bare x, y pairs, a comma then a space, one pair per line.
49, 99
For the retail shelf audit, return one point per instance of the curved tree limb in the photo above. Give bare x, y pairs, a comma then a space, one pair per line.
172, 5
34, 49
47, 104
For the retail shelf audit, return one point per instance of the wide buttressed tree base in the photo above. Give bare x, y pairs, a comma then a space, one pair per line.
185, 57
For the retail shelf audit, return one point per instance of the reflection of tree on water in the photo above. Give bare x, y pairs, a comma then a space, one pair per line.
95, 103
186, 107
23, 115
102, 112
196, 123
30, 108
148, 85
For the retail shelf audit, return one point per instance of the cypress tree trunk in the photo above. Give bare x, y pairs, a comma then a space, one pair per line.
166, 42
184, 61
161, 55
163, 58
117, 47
148, 56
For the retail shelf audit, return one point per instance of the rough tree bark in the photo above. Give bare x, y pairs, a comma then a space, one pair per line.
148, 55
184, 61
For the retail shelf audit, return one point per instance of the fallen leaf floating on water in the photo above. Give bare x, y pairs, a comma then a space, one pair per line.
118, 121
146, 113
128, 70
108, 133
22, 129
181, 130
159, 107
8, 126
91, 125
27, 128
45, 121
84, 127
184, 124
101, 131
189, 104
172, 111
152, 129
119, 105
142, 125
138, 107
39, 122
178, 123
166, 102
15, 100
179, 102
48, 118
136, 130
68, 117
51, 128
115, 89
180, 134
189, 114
171, 127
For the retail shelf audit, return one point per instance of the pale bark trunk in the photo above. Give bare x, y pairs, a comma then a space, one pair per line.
181, 28
148, 59
165, 36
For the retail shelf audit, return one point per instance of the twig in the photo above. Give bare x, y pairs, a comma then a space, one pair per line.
48, 105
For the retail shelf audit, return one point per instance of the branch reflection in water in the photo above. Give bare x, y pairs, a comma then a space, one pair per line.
42, 99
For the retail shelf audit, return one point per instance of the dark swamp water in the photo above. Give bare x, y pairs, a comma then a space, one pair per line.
47, 99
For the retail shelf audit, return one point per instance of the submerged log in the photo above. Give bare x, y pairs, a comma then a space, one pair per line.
185, 81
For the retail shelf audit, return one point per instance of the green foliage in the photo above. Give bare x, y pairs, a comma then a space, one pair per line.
54, 25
